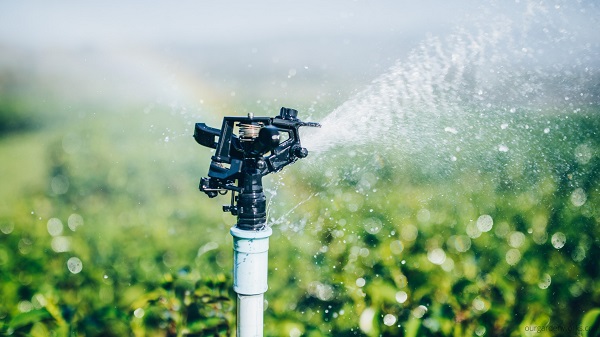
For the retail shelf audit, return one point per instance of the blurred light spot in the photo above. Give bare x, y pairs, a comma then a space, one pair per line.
7, 227
75, 265
409, 232
366, 320
25, 306
578, 197
513, 256
502, 229
448, 265
396, 247
295, 332
401, 297
432, 324
38, 301
583, 154
462, 243
545, 281
480, 330
502, 148
360, 282
419, 311
485, 223
60, 244
55, 226
479, 304
389, 319
516, 239
472, 231
436, 256
372, 225
451, 130
59, 184
578, 254
207, 248
540, 237
423, 215
322, 291
558, 240
139, 313
75, 220
71, 143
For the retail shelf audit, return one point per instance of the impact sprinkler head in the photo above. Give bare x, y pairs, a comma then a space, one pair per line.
262, 145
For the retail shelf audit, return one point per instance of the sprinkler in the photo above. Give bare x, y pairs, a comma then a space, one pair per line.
261, 146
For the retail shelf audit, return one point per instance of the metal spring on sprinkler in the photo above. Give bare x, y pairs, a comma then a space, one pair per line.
249, 132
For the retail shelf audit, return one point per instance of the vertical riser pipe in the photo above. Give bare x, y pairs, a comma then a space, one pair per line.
250, 268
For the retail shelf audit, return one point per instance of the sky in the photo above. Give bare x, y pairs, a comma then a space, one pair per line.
193, 50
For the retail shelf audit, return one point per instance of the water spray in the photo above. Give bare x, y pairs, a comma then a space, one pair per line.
261, 146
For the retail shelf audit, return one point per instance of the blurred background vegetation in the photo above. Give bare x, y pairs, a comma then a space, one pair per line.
104, 233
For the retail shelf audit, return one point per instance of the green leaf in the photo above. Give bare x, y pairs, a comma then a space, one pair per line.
28, 318
590, 324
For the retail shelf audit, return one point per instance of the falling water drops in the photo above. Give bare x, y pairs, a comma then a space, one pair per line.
74, 265
558, 240
485, 223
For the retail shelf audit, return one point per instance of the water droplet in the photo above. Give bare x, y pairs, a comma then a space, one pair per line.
401, 297
462, 243
578, 197
55, 226
389, 319
7, 227
478, 304
513, 256
419, 311
545, 281
485, 223
516, 239
409, 232
373, 225
139, 313
436, 256
366, 320
60, 244
59, 184
472, 231
75, 220
451, 130
75, 265
583, 154
423, 215
396, 247
558, 240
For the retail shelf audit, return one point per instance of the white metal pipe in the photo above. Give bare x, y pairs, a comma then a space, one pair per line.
250, 267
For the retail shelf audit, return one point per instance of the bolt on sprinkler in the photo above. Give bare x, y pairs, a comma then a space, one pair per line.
262, 145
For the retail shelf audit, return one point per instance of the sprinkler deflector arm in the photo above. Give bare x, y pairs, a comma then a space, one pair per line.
264, 145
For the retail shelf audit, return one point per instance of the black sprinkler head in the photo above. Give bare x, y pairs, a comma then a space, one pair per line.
245, 158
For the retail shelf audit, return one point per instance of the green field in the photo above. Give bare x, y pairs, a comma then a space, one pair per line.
104, 233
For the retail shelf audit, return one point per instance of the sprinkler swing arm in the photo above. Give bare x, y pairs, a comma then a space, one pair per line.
263, 145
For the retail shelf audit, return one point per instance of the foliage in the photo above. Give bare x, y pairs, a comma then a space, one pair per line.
374, 245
